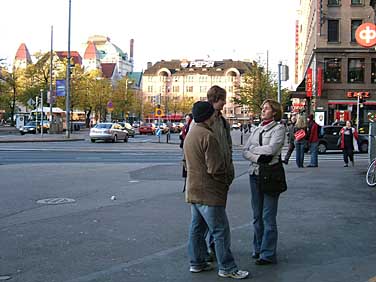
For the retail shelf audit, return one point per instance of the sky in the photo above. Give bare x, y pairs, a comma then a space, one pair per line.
162, 30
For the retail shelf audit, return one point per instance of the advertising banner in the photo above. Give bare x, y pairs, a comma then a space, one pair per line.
319, 81
60, 87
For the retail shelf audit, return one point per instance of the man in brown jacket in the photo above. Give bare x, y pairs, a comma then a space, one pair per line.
207, 186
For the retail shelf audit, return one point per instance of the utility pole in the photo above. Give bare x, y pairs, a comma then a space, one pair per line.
51, 101
279, 81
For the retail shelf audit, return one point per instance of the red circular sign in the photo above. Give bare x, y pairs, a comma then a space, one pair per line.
365, 35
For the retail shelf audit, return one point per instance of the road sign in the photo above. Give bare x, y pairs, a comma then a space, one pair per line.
110, 106
365, 35
158, 132
158, 112
31, 102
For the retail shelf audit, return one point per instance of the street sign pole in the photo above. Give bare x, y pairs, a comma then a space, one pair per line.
41, 115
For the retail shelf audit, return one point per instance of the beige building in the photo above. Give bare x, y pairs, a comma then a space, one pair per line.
329, 62
192, 79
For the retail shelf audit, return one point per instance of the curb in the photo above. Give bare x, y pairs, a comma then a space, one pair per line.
39, 140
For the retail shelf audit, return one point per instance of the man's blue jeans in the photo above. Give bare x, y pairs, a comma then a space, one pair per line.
313, 147
214, 218
265, 234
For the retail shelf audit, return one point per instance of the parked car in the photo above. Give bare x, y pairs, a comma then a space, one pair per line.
108, 131
34, 127
147, 128
330, 136
129, 128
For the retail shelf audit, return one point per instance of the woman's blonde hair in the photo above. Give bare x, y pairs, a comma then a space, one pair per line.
276, 107
301, 122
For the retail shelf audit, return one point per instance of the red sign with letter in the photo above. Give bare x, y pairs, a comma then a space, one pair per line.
309, 83
365, 35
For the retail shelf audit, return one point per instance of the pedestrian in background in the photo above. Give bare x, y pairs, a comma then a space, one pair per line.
183, 134
264, 206
313, 141
349, 143
207, 188
300, 143
291, 139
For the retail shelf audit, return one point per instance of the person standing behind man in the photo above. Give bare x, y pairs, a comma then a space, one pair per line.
221, 128
207, 188
313, 141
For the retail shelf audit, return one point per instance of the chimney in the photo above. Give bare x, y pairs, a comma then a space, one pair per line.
149, 65
131, 50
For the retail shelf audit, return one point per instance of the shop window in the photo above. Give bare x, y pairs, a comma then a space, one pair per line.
355, 71
373, 71
333, 2
333, 31
332, 70
356, 2
354, 25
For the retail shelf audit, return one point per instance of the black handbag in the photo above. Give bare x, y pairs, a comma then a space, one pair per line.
271, 178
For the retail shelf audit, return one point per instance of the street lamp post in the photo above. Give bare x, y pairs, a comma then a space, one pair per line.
67, 100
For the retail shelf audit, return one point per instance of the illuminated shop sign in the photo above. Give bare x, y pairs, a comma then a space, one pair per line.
356, 94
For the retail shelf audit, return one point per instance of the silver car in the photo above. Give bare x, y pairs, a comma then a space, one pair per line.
108, 131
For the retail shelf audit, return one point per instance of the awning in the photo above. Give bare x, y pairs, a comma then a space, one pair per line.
349, 102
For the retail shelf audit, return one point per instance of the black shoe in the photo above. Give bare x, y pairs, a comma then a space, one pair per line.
312, 165
256, 255
263, 262
346, 165
285, 162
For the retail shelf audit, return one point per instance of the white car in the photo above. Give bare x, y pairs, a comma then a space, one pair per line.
108, 131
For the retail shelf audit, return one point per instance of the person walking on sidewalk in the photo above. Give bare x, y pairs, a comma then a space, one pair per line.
349, 143
291, 140
300, 140
264, 206
313, 141
207, 188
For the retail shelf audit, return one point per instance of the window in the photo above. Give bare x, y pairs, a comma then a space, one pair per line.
175, 89
150, 89
333, 30
357, 2
373, 71
333, 2
356, 70
189, 89
203, 89
354, 25
332, 70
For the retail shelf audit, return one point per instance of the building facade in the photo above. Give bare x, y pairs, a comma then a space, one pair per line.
183, 79
332, 69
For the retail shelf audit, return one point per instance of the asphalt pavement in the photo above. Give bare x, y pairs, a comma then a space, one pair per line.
326, 221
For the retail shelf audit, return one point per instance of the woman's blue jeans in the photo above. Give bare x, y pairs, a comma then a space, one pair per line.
265, 234
299, 153
215, 219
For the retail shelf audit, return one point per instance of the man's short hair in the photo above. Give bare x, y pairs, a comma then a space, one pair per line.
216, 93
276, 107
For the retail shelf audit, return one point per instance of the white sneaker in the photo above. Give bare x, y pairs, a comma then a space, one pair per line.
196, 269
237, 274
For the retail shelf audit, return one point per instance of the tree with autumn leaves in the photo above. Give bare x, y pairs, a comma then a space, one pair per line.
258, 85
89, 91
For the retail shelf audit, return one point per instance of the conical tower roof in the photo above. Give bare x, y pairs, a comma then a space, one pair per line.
23, 53
91, 51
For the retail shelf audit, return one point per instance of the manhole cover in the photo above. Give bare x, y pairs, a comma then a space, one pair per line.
55, 201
